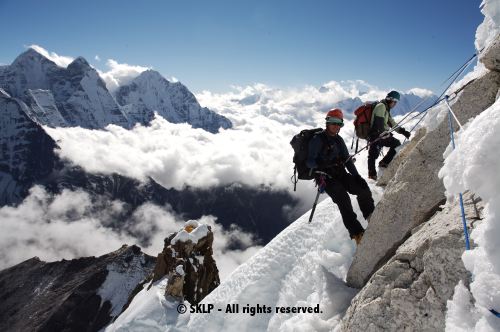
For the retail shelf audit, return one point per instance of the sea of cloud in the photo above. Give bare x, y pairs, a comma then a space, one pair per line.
68, 225
255, 152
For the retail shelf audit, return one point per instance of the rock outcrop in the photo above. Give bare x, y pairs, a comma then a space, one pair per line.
490, 57
419, 279
415, 192
82, 294
187, 262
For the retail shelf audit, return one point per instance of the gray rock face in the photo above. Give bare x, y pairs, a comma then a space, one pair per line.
25, 148
415, 192
150, 92
491, 56
409, 293
400, 158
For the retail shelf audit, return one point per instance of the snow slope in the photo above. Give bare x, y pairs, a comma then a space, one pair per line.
304, 265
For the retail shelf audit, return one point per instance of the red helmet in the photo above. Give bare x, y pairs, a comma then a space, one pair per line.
335, 116
335, 113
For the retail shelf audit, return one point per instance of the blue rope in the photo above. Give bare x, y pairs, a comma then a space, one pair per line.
452, 138
494, 312
464, 221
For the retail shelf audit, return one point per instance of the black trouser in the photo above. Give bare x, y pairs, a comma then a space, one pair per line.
374, 152
338, 188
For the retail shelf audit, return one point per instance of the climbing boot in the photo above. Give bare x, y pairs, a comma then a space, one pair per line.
373, 177
358, 238
383, 164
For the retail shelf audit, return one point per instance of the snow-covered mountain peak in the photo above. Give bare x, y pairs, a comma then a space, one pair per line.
79, 63
150, 92
77, 95
31, 55
150, 75
30, 70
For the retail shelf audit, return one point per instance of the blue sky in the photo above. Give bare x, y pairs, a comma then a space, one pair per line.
210, 45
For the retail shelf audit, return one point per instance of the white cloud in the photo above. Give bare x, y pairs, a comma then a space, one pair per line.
119, 73
423, 93
97, 58
255, 152
297, 106
60, 60
68, 226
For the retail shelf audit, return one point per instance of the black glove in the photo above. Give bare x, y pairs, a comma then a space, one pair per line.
362, 183
405, 133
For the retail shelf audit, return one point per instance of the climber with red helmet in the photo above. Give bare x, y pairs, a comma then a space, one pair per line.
379, 136
328, 153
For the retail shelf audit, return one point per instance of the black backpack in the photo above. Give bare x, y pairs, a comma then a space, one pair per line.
300, 145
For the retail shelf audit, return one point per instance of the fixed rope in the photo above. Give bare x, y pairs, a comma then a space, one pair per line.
452, 138
439, 99
462, 210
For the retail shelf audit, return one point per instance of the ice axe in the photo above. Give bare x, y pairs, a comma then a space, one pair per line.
321, 182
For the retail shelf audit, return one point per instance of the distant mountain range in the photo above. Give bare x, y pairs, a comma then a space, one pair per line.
34, 91
77, 96
410, 102
27, 158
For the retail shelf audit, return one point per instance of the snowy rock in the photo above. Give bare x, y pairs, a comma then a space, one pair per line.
410, 292
416, 191
490, 57
82, 294
150, 92
189, 277
43, 108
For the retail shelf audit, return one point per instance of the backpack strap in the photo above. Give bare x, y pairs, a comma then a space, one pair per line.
326, 144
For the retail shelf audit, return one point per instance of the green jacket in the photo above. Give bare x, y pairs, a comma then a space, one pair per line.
381, 119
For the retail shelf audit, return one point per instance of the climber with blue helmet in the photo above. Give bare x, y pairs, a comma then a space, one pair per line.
379, 136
